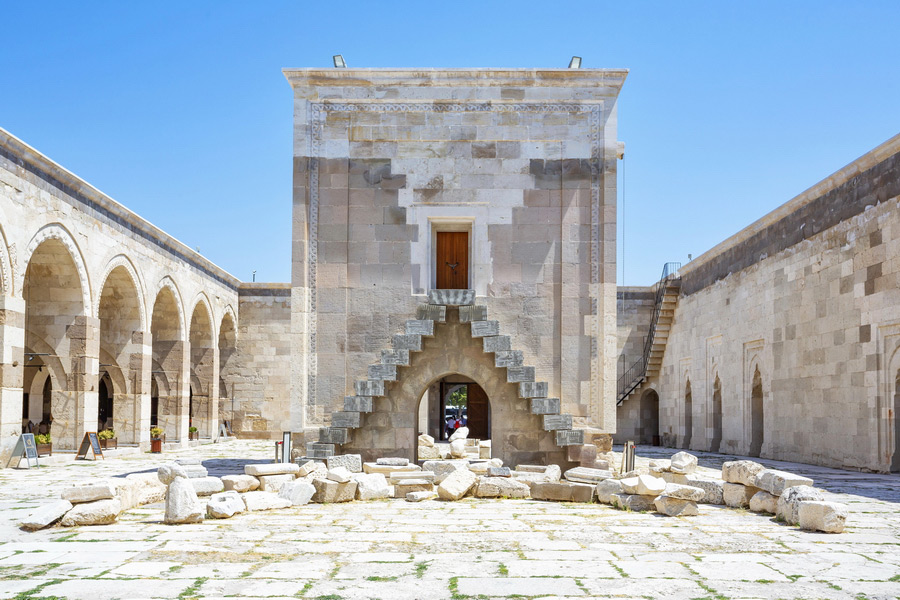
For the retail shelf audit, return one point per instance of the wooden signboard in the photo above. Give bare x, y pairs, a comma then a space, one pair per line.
25, 444
90, 442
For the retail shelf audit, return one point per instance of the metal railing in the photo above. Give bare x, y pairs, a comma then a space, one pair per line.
637, 372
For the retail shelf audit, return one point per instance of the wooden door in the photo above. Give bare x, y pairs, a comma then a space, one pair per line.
452, 260
478, 411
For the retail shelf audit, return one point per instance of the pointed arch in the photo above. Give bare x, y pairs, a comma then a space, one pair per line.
197, 318
167, 289
56, 231
122, 261
6, 274
757, 412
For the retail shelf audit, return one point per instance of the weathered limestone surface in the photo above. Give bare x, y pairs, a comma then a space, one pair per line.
421, 496
788, 505
255, 501
683, 462
225, 505
608, 488
351, 462
684, 492
182, 504
240, 483
272, 469
402, 488
764, 502
775, 481
829, 517
443, 468
207, 486
675, 507
332, 491
741, 471
736, 495
372, 486
500, 487
562, 492
98, 512
46, 515
457, 484
299, 492
634, 502
99, 490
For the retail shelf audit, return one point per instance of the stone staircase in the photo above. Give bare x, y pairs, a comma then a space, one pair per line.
650, 362
389, 369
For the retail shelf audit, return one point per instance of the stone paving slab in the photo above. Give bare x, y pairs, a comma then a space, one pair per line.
468, 549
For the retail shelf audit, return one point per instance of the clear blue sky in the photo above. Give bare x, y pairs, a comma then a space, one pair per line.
179, 110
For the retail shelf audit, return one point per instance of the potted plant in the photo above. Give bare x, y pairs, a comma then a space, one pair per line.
108, 439
156, 439
193, 433
44, 444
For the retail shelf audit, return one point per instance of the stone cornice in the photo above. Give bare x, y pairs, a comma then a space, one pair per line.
568, 78
78, 189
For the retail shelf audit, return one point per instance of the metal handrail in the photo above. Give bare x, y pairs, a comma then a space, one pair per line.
638, 371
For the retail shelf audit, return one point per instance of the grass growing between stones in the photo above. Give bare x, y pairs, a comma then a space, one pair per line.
421, 567
33, 593
193, 590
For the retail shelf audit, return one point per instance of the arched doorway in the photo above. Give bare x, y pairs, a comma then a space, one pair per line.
650, 418
154, 403
167, 367
716, 440
462, 401
688, 416
757, 427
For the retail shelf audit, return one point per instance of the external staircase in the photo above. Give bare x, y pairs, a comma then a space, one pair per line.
650, 362
390, 369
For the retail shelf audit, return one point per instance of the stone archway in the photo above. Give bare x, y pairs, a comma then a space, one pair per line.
390, 429
716, 429
688, 416
895, 463
649, 420
757, 414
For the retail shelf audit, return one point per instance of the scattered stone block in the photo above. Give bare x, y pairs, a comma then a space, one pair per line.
458, 448
338, 474
168, 473
429, 453
371, 467
371, 486
225, 505
634, 502
273, 483
457, 484
741, 471
98, 512
644, 485
207, 486
308, 467
484, 452
188, 460
537, 473
182, 505
351, 462
392, 462
460, 434
401, 488
764, 502
480, 467
829, 517
272, 469
46, 515
500, 487
499, 472
562, 491
670, 477
712, 487
736, 495
255, 501
195, 471
658, 467
426, 440
586, 475
788, 506
443, 468
299, 492
148, 488
240, 483
127, 491
332, 492
428, 476
421, 496
585, 454
607, 488
603, 442
775, 482
675, 507
684, 492
683, 463
89, 492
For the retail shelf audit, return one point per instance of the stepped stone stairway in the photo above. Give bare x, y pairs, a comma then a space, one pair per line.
389, 369
650, 363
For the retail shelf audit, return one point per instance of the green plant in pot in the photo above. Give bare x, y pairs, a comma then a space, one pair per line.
156, 434
107, 439
42, 438
193, 433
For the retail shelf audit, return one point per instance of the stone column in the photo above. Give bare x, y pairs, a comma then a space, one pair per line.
140, 353
77, 404
174, 359
12, 348
214, 395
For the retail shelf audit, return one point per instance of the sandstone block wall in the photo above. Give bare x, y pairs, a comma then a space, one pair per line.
257, 378
808, 297
523, 160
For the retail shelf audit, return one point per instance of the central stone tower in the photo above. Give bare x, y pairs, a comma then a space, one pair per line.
453, 224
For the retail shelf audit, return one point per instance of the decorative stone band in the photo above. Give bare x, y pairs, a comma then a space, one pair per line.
451, 297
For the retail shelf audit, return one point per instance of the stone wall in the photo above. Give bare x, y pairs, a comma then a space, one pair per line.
798, 319
257, 377
634, 309
523, 160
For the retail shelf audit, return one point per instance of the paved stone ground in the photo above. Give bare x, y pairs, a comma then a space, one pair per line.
440, 550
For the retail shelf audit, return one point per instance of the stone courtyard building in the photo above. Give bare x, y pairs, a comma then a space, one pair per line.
455, 229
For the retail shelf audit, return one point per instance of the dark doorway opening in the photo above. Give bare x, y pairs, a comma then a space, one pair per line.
688, 416
895, 463
650, 418
716, 416
104, 404
154, 404
757, 428
452, 260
